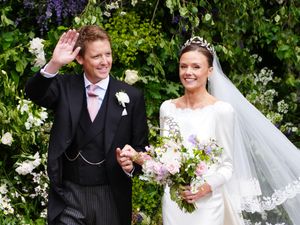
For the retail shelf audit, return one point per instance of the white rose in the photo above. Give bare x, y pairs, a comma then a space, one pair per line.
7, 139
131, 76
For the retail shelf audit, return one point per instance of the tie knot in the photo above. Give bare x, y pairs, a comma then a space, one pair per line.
91, 90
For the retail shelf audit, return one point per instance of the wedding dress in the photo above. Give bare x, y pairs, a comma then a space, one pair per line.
213, 121
264, 187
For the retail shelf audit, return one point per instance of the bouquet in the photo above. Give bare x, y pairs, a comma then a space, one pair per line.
170, 163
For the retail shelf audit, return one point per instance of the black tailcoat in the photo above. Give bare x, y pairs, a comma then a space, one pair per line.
64, 94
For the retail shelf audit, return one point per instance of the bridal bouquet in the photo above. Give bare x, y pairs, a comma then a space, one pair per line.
171, 163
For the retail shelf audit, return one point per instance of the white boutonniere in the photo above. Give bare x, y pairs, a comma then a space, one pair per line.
123, 98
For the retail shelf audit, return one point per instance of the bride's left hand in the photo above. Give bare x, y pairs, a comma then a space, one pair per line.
193, 197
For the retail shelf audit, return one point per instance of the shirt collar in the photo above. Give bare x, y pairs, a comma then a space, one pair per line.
103, 84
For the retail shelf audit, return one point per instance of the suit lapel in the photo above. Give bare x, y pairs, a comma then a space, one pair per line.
114, 114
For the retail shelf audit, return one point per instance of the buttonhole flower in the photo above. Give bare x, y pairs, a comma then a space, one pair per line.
123, 98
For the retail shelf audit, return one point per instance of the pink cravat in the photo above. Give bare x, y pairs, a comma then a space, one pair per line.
92, 101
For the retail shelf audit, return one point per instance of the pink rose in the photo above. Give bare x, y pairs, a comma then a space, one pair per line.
201, 169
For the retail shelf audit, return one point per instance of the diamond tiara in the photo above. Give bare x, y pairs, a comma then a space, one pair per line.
199, 41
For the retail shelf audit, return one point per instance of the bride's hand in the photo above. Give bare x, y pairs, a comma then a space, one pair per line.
132, 154
191, 197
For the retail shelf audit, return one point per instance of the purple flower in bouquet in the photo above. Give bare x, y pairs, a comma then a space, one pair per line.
208, 150
193, 139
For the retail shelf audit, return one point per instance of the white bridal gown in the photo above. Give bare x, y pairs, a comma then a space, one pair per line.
213, 121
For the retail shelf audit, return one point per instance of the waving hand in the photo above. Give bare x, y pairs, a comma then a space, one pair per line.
64, 52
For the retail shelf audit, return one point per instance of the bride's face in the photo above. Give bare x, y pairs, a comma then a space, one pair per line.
194, 70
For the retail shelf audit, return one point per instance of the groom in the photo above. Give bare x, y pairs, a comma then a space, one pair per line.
95, 116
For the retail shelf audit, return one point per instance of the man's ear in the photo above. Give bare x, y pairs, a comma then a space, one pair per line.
79, 59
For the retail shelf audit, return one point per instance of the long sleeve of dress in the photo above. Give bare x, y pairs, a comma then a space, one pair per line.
224, 136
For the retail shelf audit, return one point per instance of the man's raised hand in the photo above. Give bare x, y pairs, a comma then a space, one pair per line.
64, 52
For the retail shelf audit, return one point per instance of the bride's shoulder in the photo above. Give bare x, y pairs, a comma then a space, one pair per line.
224, 107
166, 103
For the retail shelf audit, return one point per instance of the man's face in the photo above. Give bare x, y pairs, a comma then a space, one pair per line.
97, 60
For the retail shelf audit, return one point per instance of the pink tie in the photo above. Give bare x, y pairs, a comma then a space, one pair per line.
92, 101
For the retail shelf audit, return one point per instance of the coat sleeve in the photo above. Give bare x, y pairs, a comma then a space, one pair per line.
140, 127
42, 91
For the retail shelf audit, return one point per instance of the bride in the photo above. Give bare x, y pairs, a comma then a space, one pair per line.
259, 172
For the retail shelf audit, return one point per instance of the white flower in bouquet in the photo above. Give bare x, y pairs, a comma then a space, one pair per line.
7, 139
131, 76
171, 160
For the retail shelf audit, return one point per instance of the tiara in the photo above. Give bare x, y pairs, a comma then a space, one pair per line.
199, 41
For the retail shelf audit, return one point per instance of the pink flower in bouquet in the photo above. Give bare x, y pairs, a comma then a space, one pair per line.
173, 167
201, 169
158, 170
171, 160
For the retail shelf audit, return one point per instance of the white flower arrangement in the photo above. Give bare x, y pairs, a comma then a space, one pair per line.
123, 99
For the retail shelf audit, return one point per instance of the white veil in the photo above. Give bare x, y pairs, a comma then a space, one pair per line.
266, 164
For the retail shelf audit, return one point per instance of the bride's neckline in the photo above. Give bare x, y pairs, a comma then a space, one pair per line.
195, 109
